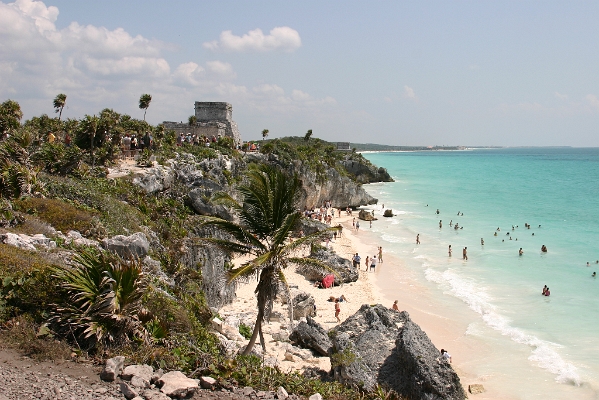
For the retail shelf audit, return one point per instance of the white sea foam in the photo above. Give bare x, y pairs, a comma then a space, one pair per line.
544, 353
392, 239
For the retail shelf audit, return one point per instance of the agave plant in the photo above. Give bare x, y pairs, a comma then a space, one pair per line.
103, 302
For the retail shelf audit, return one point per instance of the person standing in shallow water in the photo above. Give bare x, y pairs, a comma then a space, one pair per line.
418, 239
449, 251
465, 253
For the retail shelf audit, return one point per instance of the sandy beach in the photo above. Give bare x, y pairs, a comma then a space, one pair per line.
371, 288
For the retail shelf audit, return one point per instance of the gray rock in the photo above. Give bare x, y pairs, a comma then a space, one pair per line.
303, 304
207, 382
156, 375
345, 272
135, 245
366, 172
366, 215
128, 391
379, 346
282, 393
112, 368
139, 382
310, 335
315, 396
155, 395
27, 242
476, 388
176, 384
388, 213
155, 179
143, 371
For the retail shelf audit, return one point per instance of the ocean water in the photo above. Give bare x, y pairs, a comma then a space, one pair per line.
549, 345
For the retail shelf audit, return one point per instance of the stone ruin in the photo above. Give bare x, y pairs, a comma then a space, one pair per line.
213, 119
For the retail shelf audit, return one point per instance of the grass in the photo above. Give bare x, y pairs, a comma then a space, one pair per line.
59, 214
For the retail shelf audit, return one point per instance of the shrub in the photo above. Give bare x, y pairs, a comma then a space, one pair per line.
103, 300
245, 331
33, 340
61, 215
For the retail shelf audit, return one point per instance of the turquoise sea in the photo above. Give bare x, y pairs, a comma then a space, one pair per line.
545, 347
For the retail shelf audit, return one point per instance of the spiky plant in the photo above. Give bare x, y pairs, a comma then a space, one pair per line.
103, 300
268, 216
17, 176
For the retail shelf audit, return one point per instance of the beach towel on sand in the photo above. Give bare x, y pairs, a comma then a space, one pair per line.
328, 280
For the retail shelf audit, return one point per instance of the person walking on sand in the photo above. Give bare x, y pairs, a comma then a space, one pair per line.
337, 310
465, 253
394, 306
356, 261
367, 262
357, 226
381, 254
418, 239
373, 261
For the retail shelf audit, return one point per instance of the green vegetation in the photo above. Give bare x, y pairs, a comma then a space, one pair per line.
80, 300
268, 215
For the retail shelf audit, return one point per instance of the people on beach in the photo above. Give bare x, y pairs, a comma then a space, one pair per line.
356, 260
544, 249
440, 223
449, 250
547, 292
340, 299
357, 226
337, 310
482, 242
418, 239
465, 253
544, 290
381, 254
594, 274
445, 356
451, 223
367, 262
373, 262
394, 306
520, 252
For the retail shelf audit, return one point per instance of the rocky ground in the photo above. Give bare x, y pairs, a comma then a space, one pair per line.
23, 378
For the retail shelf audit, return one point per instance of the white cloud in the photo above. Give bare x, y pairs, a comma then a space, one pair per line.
561, 96
409, 93
593, 100
280, 38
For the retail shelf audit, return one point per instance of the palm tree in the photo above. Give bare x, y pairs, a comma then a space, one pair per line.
91, 128
10, 116
308, 135
267, 215
59, 102
144, 103
264, 134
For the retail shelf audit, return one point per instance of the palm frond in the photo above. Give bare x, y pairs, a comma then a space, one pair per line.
314, 264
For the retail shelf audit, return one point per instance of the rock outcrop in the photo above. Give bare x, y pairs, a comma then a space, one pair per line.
381, 346
345, 272
310, 335
366, 215
366, 172
136, 245
303, 303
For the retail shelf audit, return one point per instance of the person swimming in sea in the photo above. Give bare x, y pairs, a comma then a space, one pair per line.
544, 290
544, 249
520, 252
594, 274
482, 242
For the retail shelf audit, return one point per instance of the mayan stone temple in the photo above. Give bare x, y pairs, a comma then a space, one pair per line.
212, 119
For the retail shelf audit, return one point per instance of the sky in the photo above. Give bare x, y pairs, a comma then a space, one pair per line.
414, 73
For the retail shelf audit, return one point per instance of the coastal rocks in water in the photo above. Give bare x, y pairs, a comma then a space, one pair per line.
176, 384
404, 359
112, 368
135, 245
388, 213
366, 215
310, 335
345, 272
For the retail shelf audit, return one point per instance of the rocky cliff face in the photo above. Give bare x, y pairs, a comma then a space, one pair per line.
366, 173
379, 346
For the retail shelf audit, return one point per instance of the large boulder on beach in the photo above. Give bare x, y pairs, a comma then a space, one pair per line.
311, 335
379, 346
388, 213
366, 215
345, 271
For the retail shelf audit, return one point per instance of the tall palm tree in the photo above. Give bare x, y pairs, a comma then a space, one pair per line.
59, 102
144, 103
10, 116
264, 134
267, 215
308, 135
